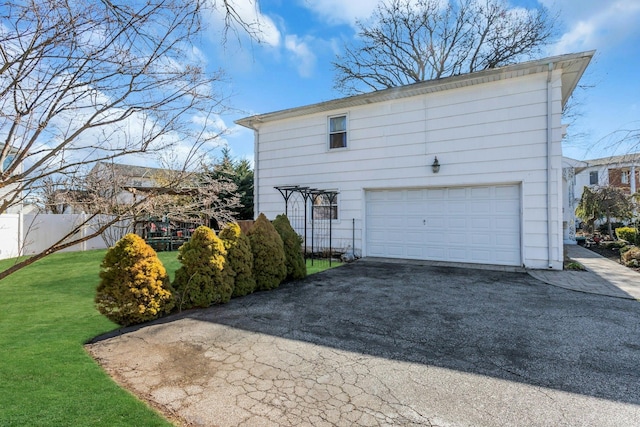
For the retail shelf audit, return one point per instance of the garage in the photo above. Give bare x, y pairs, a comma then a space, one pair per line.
479, 224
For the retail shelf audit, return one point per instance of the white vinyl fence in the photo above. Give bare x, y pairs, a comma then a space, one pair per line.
27, 234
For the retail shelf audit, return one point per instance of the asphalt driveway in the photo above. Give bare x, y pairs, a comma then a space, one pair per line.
374, 343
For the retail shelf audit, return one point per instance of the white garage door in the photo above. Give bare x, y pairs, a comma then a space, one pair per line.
462, 224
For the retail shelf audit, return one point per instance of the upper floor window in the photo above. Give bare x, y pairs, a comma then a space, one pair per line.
338, 132
624, 178
593, 178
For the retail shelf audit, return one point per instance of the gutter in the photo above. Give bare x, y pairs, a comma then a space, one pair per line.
549, 175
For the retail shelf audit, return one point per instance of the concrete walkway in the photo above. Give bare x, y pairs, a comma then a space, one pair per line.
603, 276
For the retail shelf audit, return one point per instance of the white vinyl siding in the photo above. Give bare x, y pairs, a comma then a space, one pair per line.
487, 134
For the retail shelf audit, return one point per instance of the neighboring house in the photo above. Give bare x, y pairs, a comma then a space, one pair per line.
128, 177
496, 197
618, 171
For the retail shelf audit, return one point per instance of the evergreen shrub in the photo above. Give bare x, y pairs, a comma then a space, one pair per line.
134, 286
629, 234
239, 259
294, 258
203, 279
269, 268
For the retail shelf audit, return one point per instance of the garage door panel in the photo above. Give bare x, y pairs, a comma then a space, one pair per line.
457, 193
480, 192
480, 207
455, 206
507, 192
458, 222
395, 250
506, 206
480, 239
466, 224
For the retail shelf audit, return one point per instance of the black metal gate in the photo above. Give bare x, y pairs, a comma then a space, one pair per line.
311, 212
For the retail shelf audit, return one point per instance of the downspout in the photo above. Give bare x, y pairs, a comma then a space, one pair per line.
549, 175
256, 178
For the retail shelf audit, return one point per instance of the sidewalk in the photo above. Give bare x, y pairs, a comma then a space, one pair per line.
603, 276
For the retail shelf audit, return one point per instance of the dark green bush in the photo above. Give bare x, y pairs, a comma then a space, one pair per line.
203, 279
294, 258
239, 259
134, 286
631, 257
269, 268
629, 234
613, 244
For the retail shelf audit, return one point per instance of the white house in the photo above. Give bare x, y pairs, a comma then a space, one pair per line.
496, 197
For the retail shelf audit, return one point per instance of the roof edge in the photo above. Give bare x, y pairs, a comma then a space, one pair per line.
501, 73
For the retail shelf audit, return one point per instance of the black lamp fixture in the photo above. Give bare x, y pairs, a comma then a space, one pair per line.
435, 167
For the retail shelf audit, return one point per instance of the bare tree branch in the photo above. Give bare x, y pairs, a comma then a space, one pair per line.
409, 41
84, 82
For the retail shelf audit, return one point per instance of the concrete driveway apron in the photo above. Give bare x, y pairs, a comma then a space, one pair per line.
376, 343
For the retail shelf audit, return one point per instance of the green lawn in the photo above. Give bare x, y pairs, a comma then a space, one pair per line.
46, 377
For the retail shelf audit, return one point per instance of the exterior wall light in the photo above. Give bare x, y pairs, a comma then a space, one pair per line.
435, 167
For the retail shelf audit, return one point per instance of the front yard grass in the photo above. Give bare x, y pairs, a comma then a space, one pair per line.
46, 377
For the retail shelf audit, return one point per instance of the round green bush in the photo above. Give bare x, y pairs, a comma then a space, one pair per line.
269, 268
203, 279
294, 258
134, 286
239, 259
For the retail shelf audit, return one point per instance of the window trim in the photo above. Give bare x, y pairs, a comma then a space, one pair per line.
336, 203
625, 177
346, 132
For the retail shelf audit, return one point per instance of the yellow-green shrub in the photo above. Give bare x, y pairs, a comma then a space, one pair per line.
629, 234
134, 286
239, 259
203, 278
294, 259
269, 267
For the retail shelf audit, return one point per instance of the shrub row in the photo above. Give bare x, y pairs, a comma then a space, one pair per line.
134, 286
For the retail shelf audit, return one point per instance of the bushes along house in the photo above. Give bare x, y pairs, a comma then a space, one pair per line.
294, 259
239, 259
269, 268
134, 285
203, 279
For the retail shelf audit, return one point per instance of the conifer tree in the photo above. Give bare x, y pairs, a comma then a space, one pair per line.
269, 267
134, 285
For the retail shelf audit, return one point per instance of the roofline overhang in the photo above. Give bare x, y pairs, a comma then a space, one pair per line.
572, 65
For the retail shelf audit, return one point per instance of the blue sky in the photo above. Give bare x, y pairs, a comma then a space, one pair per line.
300, 38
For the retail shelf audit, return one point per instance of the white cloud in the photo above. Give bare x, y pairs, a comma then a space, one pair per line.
595, 24
337, 12
248, 11
303, 56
